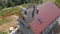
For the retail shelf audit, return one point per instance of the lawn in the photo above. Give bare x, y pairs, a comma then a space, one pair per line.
1, 7
4, 20
7, 11
11, 9
25, 5
3, 33
48, 0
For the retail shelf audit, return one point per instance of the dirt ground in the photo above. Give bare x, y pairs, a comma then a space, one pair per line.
5, 27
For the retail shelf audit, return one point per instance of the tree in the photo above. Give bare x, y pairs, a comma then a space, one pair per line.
36, 1
57, 2
2, 3
1, 7
9, 3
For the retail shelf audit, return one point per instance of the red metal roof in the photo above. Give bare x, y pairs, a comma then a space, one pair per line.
47, 13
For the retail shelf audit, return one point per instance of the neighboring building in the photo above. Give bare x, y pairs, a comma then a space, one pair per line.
45, 20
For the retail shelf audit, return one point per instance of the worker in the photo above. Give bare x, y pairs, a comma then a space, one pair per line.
51, 32
14, 31
33, 10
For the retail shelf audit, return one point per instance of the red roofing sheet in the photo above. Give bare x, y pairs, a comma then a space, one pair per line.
47, 13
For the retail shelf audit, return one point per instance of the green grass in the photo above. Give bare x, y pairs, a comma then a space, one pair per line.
3, 33
4, 20
57, 3
1, 7
47, 0
25, 5
10, 10
2, 12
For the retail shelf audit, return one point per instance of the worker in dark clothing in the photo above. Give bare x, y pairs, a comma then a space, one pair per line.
33, 11
51, 32
23, 1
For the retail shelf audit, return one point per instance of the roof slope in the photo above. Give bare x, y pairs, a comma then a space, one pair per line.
46, 15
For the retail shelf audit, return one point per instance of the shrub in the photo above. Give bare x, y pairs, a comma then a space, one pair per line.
57, 3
